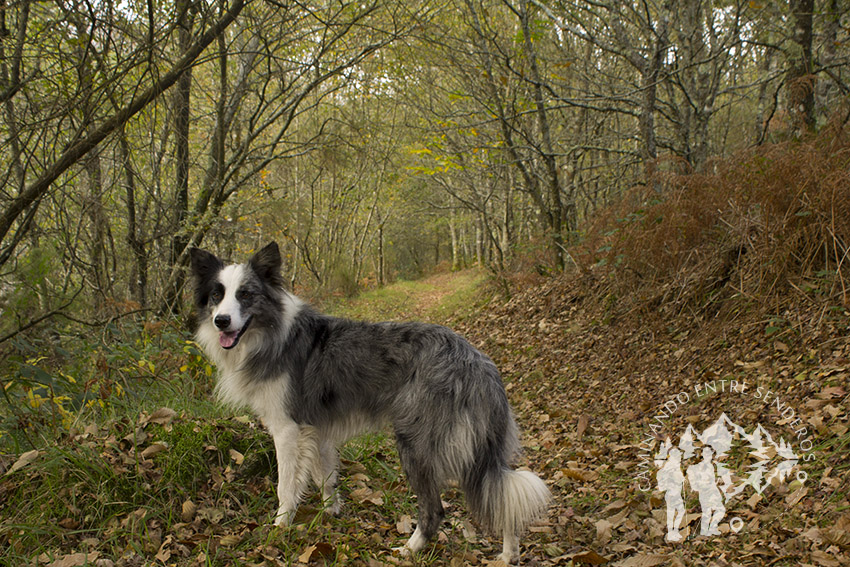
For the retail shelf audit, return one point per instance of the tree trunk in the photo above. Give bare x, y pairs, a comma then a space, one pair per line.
823, 94
556, 207
800, 82
181, 104
382, 277
139, 273
455, 244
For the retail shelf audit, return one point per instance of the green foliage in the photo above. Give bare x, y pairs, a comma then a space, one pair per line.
31, 288
57, 383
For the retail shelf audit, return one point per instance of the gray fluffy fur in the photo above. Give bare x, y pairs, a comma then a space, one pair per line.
317, 380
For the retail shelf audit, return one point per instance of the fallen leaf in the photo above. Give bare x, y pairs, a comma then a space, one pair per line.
825, 559
164, 553
831, 392
579, 474
792, 499
643, 560
469, 532
236, 456
814, 535
307, 554
753, 500
230, 540
24, 460
540, 529
212, 515
837, 536
359, 478
75, 560
69, 523
615, 505
133, 439
603, 531
154, 449
404, 525
320, 550
162, 416
583, 421
366, 494
588, 558
189, 509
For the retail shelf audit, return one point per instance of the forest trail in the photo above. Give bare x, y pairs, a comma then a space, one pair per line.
605, 395
440, 293
433, 299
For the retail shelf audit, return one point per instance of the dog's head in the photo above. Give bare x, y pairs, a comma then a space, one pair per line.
233, 299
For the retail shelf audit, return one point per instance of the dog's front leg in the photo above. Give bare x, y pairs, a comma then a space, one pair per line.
289, 483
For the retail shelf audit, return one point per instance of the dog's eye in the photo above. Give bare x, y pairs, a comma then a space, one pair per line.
244, 295
216, 296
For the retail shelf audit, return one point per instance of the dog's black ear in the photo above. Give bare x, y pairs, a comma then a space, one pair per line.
266, 263
204, 264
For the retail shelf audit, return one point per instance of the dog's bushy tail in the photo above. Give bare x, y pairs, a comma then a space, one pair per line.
525, 498
507, 500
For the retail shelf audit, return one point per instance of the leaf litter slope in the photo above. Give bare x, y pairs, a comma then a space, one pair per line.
589, 379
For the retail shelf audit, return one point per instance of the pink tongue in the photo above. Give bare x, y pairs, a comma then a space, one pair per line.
228, 339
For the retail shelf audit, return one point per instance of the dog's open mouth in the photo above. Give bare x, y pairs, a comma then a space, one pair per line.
229, 339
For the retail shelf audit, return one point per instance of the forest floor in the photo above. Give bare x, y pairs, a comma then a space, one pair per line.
599, 387
596, 388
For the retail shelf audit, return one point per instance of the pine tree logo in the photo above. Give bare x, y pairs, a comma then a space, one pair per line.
720, 464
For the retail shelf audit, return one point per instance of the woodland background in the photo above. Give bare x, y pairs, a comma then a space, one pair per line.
373, 140
646, 193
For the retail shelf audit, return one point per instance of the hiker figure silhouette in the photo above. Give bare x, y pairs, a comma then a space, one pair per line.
671, 482
702, 478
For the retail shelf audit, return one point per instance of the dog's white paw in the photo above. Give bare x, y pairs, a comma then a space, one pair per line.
334, 508
403, 551
283, 518
332, 504
413, 545
507, 558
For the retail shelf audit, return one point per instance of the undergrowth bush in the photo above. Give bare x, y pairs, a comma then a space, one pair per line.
771, 220
57, 381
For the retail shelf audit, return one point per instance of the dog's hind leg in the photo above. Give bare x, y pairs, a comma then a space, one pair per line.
424, 483
325, 475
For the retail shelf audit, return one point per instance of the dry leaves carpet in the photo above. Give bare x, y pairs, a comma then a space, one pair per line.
596, 384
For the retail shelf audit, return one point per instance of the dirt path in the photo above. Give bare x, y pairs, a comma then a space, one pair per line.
438, 291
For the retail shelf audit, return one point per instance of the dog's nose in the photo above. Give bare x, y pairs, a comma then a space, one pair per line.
222, 321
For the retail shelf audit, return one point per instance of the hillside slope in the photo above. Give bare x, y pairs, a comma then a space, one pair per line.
598, 390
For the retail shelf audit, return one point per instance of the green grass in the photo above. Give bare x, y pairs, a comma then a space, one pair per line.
386, 303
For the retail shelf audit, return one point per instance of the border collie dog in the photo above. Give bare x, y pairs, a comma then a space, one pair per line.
315, 381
